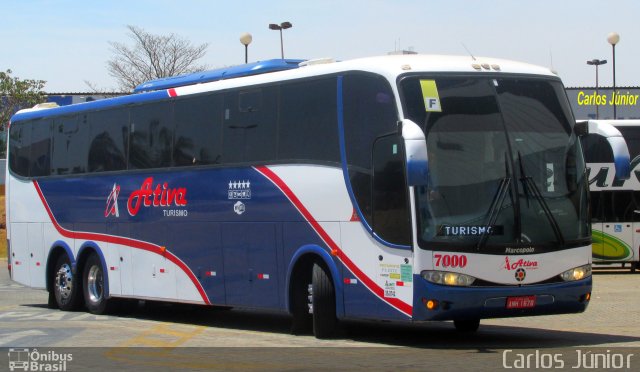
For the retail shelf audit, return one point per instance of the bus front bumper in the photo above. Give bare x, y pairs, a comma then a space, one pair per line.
492, 302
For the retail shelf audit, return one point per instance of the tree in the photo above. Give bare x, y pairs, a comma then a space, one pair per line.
152, 57
16, 94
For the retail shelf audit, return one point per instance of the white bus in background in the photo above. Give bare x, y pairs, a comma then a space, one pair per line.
615, 203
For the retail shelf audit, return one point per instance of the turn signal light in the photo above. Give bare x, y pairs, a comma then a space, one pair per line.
430, 304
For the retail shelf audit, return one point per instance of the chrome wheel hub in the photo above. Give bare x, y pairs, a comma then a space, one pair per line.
95, 284
64, 281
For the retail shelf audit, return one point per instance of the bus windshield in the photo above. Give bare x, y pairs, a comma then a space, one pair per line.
506, 170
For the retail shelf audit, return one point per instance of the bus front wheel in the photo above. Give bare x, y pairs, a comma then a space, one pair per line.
323, 303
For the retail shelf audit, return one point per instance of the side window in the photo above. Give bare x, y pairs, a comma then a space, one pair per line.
151, 136
70, 135
391, 217
198, 137
108, 140
40, 164
20, 148
369, 112
250, 125
308, 128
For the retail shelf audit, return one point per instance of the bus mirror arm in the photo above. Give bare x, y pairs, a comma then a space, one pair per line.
621, 157
581, 128
415, 146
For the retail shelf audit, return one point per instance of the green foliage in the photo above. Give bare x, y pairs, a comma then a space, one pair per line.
16, 94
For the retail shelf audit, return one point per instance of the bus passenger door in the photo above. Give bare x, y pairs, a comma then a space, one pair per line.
390, 256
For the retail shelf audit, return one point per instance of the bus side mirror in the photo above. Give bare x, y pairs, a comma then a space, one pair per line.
621, 157
415, 146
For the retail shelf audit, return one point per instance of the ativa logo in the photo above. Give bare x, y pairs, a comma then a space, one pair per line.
112, 202
521, 263
159, 196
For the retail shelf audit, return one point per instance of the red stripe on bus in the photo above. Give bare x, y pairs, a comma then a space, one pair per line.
150, 247
370, 284
172, 92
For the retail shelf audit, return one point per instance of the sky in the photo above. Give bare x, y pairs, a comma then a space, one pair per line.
67, 43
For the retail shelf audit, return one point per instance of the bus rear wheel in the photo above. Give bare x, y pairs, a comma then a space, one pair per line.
66, 286
323, 303
467, 325
94, 286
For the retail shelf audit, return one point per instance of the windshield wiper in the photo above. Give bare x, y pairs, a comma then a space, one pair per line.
494, 208
529, 184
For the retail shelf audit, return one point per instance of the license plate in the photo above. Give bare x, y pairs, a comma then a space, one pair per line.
521, 302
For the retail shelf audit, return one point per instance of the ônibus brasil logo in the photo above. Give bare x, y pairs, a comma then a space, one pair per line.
148, 195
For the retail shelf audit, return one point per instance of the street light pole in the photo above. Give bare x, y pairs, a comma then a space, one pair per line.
597, 62
246, 39
613, 39
280, 27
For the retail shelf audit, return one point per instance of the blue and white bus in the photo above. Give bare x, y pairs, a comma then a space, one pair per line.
615, 202
403, 188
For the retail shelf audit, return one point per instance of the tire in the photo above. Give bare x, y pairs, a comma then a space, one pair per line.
51, 301
94, 286
634, 266
323, 302
302, 321
467, 325
66, 285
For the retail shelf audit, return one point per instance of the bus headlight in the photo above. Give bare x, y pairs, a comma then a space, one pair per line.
576, 273
448, 278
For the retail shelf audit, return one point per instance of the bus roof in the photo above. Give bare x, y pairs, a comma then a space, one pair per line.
255, 68
618, 122
390, 66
